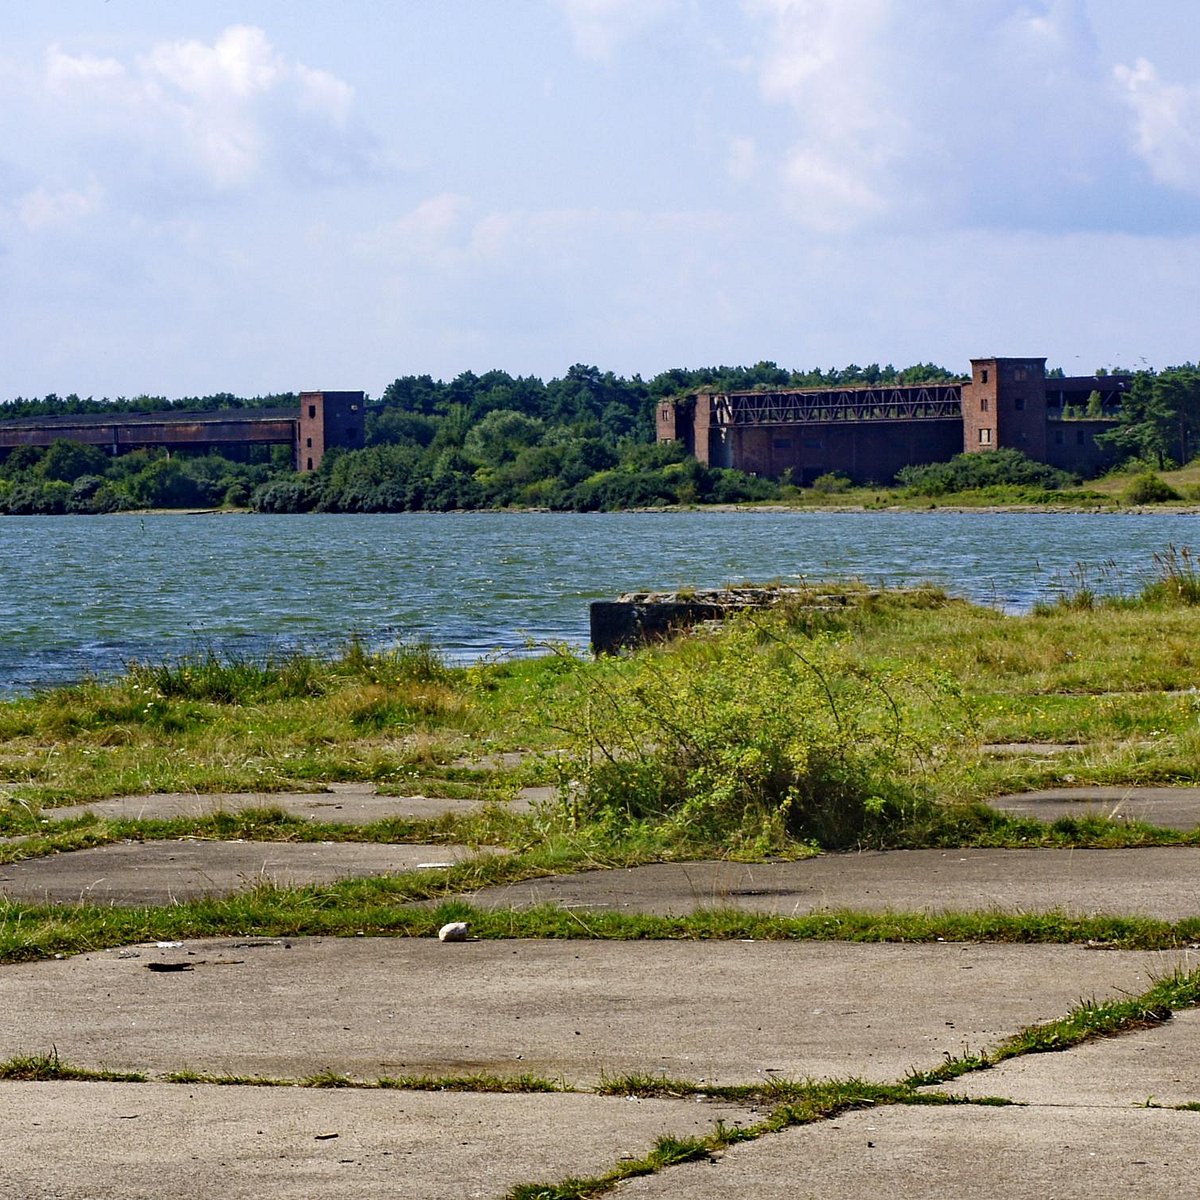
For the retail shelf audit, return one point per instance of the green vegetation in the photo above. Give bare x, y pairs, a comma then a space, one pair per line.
1150, 488
583, 442
984, 469
884, 722
880, 723
1159, 420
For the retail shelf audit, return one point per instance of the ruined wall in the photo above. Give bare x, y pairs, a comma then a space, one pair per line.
1004, 405
1071, 445
868, 452
328, 419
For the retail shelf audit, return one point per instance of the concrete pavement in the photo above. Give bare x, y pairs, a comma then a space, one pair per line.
724, 1012
141, 873
1161, 882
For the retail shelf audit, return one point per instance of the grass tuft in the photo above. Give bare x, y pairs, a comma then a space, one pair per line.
44, 1067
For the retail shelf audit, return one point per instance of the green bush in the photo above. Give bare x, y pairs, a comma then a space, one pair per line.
1149, 488
831, 483
747, 739
981, 469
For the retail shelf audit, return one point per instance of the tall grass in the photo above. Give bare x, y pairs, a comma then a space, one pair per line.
753, 737
1176, 578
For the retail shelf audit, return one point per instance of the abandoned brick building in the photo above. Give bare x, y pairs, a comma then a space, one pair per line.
869, 433
322, 421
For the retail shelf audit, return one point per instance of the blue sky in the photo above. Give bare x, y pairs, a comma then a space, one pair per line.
272, 196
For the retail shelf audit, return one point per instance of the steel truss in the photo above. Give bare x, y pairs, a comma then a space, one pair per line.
924, 402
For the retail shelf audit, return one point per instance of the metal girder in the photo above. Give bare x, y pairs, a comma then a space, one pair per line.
923, 402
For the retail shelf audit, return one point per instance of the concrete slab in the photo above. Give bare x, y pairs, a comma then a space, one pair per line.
1161, 1064
969, 1152
78, 1141
371, 1007
342, 803
1028, 749
1168, 807
139, 873
1151, 881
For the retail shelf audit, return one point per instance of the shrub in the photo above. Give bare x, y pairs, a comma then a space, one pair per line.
831, 483
981, 469
747, 738
1149, 488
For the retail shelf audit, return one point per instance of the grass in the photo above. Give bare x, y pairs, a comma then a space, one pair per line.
882, 723
40, 1068
917, 703
391, 907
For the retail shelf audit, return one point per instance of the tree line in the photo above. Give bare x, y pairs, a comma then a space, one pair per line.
584, 441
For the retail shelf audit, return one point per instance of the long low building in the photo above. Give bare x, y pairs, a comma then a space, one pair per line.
870, 433
322, 421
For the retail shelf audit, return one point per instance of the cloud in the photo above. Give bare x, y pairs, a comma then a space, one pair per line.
997, 113
1167, 124
43, 209
225, 116
598, 27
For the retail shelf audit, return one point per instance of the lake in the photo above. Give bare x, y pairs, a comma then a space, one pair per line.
86, 595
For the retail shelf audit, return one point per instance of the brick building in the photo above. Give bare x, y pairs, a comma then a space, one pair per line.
871, 433
323, 420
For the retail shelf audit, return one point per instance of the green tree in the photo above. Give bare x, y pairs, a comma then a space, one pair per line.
501, 435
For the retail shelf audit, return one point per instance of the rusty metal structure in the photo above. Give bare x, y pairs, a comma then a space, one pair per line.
870, 433
808, 407
322, 420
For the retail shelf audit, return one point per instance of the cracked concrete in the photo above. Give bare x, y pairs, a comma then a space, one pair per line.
724, 1012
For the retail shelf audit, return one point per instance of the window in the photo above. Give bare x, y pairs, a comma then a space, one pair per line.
812, 443
310, 464
312, 412
1018, 402
983, 375
354, 408
985, 437
983, 404
308, 443
1019, 374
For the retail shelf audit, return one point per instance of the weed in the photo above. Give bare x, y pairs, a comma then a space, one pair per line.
41, 1067
749, 738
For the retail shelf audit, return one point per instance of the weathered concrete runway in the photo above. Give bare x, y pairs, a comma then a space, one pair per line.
83, 1141
340, 803
1160, 882
720, 1011
1160, 1066
1167, 807
1097, 1120
578, 1011
981, 1153
141, 873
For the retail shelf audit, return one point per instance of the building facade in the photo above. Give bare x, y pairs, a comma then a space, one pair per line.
324, 420
870, 433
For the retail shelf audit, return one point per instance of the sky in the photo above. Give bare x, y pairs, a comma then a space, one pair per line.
282, 195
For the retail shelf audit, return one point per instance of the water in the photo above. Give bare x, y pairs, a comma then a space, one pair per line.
83, 595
